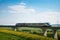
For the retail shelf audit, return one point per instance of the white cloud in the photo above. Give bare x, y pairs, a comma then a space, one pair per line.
20, 13
22, 3
50, 16
31, 15
20, 8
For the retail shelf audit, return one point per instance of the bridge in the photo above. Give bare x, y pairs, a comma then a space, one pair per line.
44, 30
43, 26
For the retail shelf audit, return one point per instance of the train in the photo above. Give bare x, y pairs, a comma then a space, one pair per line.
33, 25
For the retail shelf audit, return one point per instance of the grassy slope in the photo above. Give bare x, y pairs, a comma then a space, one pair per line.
23, 35
4, 36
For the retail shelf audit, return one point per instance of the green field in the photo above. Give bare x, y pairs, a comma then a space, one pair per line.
25, 30
4, 36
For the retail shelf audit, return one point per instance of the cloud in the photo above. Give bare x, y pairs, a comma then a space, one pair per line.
20, 8
22, 13
31, 15
49, 16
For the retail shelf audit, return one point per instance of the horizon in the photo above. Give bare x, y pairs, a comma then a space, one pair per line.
29, 11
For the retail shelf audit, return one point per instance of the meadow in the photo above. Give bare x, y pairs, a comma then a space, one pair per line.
24, 33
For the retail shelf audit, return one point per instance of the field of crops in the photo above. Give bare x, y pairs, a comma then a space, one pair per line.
8, 34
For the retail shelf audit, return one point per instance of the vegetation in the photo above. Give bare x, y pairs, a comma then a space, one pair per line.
5, 36
23, 35
38, 31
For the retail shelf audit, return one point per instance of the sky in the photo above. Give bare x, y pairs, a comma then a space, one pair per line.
29, 11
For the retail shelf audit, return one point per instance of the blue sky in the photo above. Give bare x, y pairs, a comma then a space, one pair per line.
29, 11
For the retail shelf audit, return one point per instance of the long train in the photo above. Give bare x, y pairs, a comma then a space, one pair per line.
33, 25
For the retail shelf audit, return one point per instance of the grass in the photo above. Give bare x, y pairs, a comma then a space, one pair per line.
5, 36
28, 28
22, 35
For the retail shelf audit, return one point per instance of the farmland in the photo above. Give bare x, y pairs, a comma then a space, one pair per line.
21, 34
